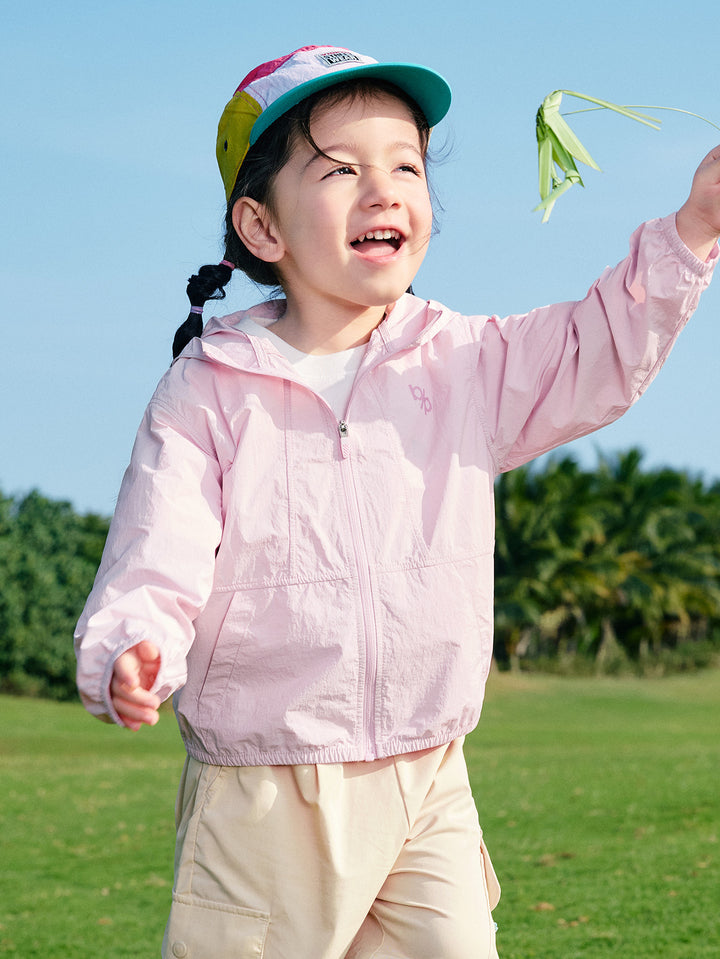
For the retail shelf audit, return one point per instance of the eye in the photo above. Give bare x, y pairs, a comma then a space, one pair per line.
410, 168
341, 171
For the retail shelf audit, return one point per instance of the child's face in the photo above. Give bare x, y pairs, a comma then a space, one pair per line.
326, 210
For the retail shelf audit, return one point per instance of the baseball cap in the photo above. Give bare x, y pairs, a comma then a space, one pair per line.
271, 89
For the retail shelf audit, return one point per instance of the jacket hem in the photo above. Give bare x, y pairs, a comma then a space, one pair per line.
307, 755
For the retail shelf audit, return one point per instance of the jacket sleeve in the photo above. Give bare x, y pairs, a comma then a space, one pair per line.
158, 565
562, 371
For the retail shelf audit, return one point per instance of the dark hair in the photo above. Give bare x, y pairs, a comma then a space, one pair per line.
256, 177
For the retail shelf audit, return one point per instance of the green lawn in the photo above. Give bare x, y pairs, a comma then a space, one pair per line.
601, 808
87, 833
599, 801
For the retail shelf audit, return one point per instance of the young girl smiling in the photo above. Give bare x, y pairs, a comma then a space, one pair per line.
302, 550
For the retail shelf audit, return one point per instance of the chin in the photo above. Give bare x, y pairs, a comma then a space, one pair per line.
389, 293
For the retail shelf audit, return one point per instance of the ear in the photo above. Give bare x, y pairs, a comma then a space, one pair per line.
255, 227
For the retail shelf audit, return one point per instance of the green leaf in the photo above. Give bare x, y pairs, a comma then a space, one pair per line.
561, 156
630, 112
545, 166
558, 144
548, 202
569, 140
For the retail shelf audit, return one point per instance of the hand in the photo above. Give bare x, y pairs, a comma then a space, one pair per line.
133, 676
698, 220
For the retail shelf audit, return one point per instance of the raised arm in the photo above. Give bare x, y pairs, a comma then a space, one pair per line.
560, 372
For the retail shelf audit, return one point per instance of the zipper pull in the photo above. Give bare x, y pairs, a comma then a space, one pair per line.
343, 431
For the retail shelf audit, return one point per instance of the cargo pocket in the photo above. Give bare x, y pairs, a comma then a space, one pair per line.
200, 929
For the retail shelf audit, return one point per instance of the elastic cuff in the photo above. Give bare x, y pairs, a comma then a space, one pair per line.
698, 266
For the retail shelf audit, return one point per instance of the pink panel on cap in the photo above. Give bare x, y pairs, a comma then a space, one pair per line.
265, 69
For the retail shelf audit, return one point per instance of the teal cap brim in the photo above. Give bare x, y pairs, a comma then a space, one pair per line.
428, 89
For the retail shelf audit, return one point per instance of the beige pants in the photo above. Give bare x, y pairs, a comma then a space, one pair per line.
340, 861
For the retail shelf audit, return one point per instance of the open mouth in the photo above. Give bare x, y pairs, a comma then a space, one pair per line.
378, 242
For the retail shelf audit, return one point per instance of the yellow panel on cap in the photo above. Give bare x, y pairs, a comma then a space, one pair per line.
233, 139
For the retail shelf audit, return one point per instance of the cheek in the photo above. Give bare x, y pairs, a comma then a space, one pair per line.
423, 204
424, 222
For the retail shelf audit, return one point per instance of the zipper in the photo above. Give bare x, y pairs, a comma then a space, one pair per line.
362, 562
365, 588
343, 431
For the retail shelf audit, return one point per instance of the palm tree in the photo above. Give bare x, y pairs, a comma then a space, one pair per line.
585, 560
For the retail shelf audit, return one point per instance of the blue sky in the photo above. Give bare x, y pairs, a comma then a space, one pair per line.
111, 197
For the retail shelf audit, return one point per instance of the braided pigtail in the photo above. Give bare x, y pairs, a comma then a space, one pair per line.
207, 284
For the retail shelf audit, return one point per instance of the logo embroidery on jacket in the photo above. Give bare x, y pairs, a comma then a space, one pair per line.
419, 394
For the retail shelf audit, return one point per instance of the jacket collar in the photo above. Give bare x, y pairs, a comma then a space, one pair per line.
410, 322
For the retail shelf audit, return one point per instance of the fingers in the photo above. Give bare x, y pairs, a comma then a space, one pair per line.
147, 653
138, 666
707, 180
698, 220
712, 157
133, 694
133, 675
134, 706
134, 714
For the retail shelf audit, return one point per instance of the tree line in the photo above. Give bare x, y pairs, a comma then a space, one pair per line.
614, 569
605, 570
48, 559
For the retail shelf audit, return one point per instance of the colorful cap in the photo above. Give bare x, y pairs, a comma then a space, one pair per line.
273, 88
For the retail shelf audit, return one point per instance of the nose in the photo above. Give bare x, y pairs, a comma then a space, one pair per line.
380, 190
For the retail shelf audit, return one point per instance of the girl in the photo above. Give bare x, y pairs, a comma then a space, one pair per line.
302, 550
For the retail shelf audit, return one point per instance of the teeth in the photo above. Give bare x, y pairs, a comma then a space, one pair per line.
379, 235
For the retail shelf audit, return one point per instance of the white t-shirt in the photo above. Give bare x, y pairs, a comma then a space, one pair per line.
331, 375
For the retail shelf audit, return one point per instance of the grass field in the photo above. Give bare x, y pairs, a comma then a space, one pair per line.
599, 801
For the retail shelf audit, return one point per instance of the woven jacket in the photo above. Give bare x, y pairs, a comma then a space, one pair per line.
322, 590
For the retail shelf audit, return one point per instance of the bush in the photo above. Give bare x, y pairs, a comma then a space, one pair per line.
48, 559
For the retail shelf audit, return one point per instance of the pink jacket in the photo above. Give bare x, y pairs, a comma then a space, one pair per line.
322, 591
